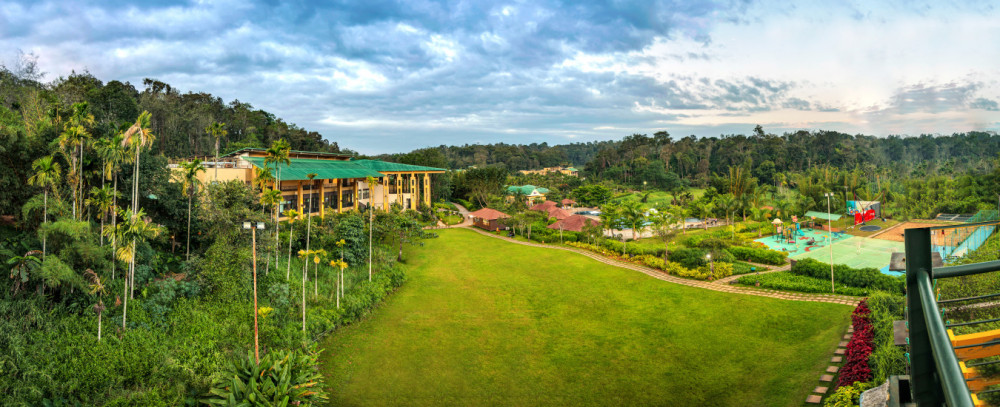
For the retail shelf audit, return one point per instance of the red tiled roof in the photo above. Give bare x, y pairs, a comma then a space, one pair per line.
544, 206
568, 201
574, 223
489, 214
558, 213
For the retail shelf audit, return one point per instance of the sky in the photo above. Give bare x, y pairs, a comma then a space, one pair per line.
382, 76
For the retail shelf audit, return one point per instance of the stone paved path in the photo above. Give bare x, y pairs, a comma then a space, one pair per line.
829, 298
732, 278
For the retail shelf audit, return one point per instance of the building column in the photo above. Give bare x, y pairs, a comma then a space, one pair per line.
385, 193
399, 190
322, 198
427, 189
300, 198
414, 194
355, 200
340, 196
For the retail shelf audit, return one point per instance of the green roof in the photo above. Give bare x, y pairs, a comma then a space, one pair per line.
324, 169
384, 166
822, 215
571, 169
525, 189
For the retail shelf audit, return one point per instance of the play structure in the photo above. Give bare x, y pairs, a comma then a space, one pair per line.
798, 239
864, 211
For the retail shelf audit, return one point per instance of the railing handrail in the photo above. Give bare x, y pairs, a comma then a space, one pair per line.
956, 392
966, 269
963, 225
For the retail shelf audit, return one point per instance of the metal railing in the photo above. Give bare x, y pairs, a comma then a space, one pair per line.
936, 378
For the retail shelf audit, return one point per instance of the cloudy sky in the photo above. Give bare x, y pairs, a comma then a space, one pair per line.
388, 76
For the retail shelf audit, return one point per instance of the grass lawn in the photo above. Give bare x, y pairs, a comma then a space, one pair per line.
483, 321
451, 219
657, 197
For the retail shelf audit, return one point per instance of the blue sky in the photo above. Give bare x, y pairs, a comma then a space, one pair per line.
389, 76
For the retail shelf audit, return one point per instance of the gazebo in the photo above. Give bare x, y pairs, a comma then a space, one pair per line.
568, 202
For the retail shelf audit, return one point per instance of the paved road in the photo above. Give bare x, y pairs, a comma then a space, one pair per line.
829, 298
466, 221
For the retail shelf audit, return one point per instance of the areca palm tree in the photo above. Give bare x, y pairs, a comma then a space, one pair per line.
102, 199
270, 199
308, 213
96, 287
217, 131
69, 140
189, 173
134, 227
634, 216
115, 154
291, 214
663, 226
46, 175
277, 154
137, 136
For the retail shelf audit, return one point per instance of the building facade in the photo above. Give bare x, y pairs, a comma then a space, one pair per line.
339, 182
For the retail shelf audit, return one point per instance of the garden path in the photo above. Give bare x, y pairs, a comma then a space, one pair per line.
732, 278
466, 221
829, 298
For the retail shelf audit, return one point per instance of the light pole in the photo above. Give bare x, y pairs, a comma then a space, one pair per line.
711, 264
253, 233
829, 228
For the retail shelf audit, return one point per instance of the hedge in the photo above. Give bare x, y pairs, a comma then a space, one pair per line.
756, 255
887, 359
785, 281
869, 278
656, 262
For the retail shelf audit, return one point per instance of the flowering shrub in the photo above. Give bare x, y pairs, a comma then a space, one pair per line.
856, 368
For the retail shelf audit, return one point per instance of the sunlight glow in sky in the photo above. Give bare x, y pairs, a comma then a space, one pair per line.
390, 76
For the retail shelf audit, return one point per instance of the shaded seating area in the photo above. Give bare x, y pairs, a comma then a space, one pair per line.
488, 219
568, 203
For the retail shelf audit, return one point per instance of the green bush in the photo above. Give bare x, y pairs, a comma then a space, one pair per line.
757, 255
632, 249
887, 359
786, 281
282, 378
848, 396
740, 267
690, 258
869, 278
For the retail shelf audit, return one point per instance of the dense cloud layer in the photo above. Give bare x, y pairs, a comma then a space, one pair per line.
382, 76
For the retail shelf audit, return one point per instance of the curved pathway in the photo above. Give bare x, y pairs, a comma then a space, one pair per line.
735, 277
466, 221
829, 298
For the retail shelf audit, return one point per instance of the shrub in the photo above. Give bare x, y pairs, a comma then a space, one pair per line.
283, 377
887, 359
690, 258
862, 278
740, 267
786, 281
757, 255
631, 249
848, 396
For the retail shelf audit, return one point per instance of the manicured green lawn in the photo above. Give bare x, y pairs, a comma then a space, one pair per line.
657, 197
483, 321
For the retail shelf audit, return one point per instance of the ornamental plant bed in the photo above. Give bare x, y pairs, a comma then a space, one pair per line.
856, 368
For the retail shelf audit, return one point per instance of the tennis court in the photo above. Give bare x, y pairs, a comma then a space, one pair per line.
856, 252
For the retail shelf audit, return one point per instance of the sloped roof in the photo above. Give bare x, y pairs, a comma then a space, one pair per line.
385, 166
324, 169
544, 206
526, 189
568, 201
573, 223
558, 213
571, 169
489, 214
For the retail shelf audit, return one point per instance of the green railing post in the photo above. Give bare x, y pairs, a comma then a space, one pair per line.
924, 383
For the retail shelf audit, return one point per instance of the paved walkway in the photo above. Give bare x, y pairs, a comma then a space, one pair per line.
829, 298
466, 220
735, 277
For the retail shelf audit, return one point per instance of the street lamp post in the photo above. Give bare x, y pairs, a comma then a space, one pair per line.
829, 227
711, 264
253, 233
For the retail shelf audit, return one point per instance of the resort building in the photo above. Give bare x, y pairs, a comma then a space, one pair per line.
573, 223
548, 170
531, 193
338, 181
488, 218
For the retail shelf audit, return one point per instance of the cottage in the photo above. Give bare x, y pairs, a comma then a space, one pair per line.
488, 219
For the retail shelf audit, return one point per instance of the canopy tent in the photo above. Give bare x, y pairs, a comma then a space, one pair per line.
823, 215
776, 221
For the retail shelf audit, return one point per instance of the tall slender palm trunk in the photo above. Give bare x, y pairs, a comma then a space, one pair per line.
114, 222
45, 219
190, 196
288, 268
305, 264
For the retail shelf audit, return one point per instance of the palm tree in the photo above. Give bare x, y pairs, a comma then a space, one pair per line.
96, 287
291, 214
137, 136
663, 226
217, 131
270, 199
634, 216
21, 268
189, 174
705, 211
46, 174
277, 154
308, 212
134, 226
114, 154
71, 138
102, 199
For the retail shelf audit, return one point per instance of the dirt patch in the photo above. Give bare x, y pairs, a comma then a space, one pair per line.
938, 237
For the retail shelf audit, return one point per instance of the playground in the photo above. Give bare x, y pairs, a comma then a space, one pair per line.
801, 240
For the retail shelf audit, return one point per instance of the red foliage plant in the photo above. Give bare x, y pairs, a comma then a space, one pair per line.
859, 348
